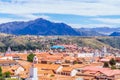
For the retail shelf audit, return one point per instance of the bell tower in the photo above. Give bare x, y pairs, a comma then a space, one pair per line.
33, 75
35, 60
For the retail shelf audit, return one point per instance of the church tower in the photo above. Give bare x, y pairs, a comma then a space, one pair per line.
35, 60
9, 51
33, 75
104, 51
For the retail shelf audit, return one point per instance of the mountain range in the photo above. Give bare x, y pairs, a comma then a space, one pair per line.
37, 27
115, 34
102, 30
44, 27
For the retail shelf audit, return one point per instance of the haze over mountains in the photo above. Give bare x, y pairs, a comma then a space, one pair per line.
102, 30
44, 27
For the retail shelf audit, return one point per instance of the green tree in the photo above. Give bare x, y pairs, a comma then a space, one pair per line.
75, 62
7, 74
12, 79
106, 65
30, 57
0, 72
52, 75
113, 67
112, 62
1, 76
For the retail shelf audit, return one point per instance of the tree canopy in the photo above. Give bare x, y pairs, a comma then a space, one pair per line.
30, 57
112, 62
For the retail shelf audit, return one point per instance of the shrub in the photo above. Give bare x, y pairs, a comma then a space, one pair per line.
30, 57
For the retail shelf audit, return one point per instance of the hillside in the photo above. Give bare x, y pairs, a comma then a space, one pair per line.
112, 41
21, 43
115, 34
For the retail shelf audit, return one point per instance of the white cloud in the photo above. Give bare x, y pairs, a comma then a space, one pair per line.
108, 20
4, 20
26, 8
102, 7
91, 25
27, 17
31, 16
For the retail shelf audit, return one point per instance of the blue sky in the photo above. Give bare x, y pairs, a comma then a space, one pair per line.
76, 13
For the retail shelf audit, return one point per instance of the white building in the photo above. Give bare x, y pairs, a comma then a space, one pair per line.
117, 65
85, 55
18, 70
6, 58
33, 75
73, 72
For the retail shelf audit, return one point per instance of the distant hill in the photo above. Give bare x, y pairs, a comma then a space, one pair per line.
28, 42
86, 32
38, 27
115, 34
10, 27
44, 27
101, 30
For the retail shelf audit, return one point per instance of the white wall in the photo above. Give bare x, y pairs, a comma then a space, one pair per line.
59, 69
73, 72
6, 58
19, 70
85, 55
